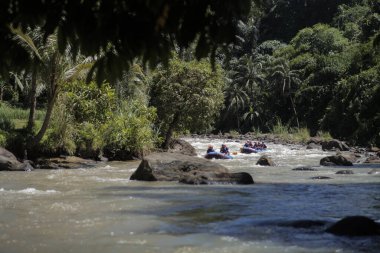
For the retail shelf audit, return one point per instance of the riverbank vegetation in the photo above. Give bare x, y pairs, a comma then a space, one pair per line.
285, 74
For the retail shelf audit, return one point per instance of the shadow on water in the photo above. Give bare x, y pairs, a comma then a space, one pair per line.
291, 214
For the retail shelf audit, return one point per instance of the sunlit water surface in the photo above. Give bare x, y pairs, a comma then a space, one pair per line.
101, 210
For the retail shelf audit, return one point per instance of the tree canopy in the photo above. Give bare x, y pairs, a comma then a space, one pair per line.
117, 31
187, 95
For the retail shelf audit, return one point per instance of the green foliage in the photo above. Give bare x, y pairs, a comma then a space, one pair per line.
269, 47
120, 31
60, 137
300, 134
279, 128
129, 132
354, 113
88, 140
319, 39
283, 19
325, 136
11, 113
6, 124
89, 102
3, 138
187, 95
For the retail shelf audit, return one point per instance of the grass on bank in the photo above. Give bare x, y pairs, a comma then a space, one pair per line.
295, 134
18, 116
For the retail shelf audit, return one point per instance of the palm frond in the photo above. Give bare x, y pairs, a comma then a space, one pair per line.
25, 38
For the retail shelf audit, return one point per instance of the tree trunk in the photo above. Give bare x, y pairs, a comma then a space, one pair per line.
32, 102
170, 131
54, 87
294, 110
46, 122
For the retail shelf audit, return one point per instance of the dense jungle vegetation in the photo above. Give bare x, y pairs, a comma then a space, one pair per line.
305, 65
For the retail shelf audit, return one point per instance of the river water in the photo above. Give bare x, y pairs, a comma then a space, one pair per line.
100, 210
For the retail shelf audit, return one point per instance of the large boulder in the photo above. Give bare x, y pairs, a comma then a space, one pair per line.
355, 226
186, 169
9, 162
265, 161
181, 147
335, 160
334, 145
6, 153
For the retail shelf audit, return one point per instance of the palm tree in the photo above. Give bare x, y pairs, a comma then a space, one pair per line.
283, 75
236, 98
133, 84
51, 68
247, 72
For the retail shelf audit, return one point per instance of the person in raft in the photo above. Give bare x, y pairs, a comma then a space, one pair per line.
210, 149
248, 144
224, 150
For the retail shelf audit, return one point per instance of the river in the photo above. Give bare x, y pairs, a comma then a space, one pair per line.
100, 210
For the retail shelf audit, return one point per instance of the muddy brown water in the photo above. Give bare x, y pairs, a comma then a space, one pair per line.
101, 210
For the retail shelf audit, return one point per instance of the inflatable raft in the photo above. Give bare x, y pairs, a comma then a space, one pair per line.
217, 155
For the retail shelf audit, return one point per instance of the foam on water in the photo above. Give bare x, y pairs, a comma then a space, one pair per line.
30, 191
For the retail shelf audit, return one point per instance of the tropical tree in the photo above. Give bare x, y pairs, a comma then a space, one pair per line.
120, 31
50, 68
287, 81
187, 95
236, 99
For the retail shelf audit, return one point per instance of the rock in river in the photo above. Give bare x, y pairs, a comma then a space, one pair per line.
182, 147
355, 226
265, 161
65, 162
9, 162
304, 168
345, 172
186, 169
336, 160
334, 145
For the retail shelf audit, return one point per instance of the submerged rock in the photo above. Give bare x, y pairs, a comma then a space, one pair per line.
219, 178
338, 160
304, 168
321, 177
345, 172
355, 226
186, 169
306, 223
265, 161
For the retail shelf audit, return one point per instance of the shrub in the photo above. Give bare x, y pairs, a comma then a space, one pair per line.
300, 134
88, 141
89, 102
129, 133
60, 136
3, 138
279, 128
6, 124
